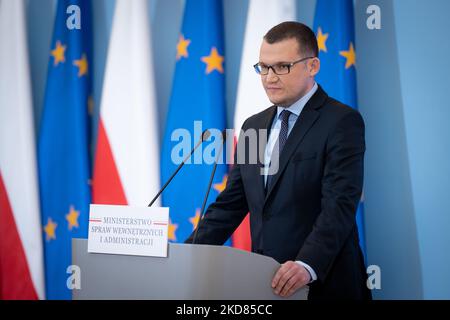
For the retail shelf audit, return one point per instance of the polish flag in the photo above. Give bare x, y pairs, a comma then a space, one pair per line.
251, 97
21, 255
126, 169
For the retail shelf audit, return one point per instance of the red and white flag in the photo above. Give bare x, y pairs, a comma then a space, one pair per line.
251, 98
126, 169
21, 255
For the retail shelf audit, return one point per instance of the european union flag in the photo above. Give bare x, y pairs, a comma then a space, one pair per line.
197, 95
63, 157
335, 31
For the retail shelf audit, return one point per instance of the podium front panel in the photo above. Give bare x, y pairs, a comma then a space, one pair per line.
194, 272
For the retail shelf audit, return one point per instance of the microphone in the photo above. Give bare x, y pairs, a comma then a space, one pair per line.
211, 178
204, 137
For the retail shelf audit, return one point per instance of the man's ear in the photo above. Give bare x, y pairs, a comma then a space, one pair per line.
314, 66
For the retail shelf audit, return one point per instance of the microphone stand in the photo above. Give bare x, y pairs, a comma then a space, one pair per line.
211, 178
205, 135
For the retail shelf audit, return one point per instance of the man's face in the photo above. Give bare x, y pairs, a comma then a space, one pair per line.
284, 90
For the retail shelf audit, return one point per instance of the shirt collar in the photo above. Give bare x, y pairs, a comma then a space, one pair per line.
297, 107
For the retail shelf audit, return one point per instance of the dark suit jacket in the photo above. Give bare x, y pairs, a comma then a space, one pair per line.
308, 213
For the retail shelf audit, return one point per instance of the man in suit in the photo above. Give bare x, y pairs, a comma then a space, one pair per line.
303, 192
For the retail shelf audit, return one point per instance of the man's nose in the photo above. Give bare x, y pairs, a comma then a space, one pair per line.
271, 76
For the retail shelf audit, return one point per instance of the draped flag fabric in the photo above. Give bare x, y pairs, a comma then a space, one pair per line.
126, 169
197, 96
21, 256
63, 157
335, 31
251, 97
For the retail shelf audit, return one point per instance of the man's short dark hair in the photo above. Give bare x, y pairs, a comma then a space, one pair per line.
305, 37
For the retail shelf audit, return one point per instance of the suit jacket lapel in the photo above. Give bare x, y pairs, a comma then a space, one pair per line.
307, 118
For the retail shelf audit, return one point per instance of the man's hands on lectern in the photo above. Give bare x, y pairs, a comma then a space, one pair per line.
289, 278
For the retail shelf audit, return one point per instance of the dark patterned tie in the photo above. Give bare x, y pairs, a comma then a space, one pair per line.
276, 152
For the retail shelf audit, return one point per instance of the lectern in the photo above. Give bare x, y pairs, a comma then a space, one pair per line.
190, 272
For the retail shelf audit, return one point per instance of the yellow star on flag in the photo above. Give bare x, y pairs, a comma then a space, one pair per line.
72, 217
58, 53
195, 219
82, 65
350, 55
172, 228
219, 187
321, 40
213, 61
49, 229
182, 47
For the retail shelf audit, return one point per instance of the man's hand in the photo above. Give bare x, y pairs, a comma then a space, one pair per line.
289, 278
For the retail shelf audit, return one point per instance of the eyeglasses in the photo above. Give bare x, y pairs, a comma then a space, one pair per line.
279, 68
